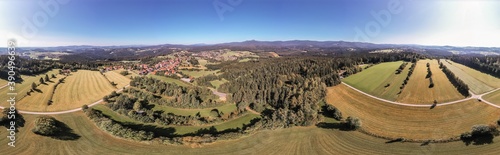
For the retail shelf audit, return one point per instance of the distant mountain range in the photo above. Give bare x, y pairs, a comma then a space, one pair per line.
292, 45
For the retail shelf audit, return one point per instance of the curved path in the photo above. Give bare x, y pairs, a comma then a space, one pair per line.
62, 112
473, 96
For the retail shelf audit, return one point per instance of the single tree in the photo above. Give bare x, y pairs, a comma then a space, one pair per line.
33, 86
46, 125
47, 77
53, 76
41, 80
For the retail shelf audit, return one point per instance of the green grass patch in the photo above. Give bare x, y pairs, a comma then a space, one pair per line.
235, 123
197, 74
226, 109
374, 79
217, 83
475, 85
170, 80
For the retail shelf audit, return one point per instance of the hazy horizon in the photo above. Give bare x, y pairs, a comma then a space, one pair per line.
53, 23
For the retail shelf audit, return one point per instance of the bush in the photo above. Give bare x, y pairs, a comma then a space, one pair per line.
124, 73
353, 123
333, 112
46, 125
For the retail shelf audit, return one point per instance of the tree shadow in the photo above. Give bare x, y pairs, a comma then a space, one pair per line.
18, 120
65, 132
38, 90
479, 140
338, 126
158, 131
395, 140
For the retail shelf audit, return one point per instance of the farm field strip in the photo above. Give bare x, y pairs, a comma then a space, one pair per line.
38, 101
118, 79
485, 78
83, 87
131, 73
418, 86
373, 79
493, 97
394, 120
23, 87
476, 86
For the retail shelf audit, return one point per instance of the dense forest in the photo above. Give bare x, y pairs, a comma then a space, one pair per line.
287, 90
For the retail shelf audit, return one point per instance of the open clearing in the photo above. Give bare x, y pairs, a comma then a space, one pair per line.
493, 97
169, 80
23, 87
299, 140
373, 80
417, 90
118, 79
475, 85
197, 74
226, 109
217, 83
82, 87
396, 121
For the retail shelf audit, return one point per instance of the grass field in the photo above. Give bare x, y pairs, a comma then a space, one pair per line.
118, 79
493, 97
37, 100
396, 121
217, 83
475, 85
373, 80
23, 87
417, 90
130, 75
300, 140
197, 74
485, 78
3, 82
226, 109
82, 87
170, 80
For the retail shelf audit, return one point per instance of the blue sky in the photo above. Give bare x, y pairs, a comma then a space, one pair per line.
149, 22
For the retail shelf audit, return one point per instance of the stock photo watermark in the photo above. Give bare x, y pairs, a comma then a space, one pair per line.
381, 19
221, 7
11, 114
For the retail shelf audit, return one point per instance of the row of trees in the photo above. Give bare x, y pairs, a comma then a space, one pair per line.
410, 72
401, 67
429, 75
116, 128
459, 84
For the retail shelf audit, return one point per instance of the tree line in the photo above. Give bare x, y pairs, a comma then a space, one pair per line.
459, 84
486, 64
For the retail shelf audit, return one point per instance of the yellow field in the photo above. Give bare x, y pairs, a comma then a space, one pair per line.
82, 87
3, 82
298, 140
493, 97
472, 80
117, 78
485, 78
417, 90
23, 87
37, 101
395, 121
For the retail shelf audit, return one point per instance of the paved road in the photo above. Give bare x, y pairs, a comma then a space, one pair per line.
61, 112
473, 96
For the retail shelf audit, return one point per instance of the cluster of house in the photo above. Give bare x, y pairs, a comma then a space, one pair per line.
169, 67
